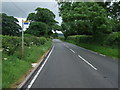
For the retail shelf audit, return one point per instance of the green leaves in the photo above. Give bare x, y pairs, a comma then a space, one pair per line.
42, 15
42, 22
10, 25
38, 29
85, 18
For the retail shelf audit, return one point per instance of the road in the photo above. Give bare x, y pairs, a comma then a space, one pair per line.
70, 66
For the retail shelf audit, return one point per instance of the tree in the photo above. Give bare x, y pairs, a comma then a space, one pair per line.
38, 29
10, 25
56, 27
31, 17
42, 15
85, 18
113, 9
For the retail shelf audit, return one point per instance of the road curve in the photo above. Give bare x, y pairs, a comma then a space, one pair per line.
70, 66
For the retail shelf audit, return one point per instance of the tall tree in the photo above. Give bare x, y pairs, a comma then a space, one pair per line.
38, 29
42, 16
86, 18
113, 9
10, 25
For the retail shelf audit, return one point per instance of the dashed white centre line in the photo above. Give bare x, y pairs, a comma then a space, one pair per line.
72, 50
87, 62
35, 77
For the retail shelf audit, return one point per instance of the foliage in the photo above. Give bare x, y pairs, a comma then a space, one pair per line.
87, 18
33, 40
42, 22
113, 13
11, 43
55, 35
14, 68
106, 47
113, 39
56, 27
114, 10
10, 25
37, 29
109, 51
42, 15
108, 40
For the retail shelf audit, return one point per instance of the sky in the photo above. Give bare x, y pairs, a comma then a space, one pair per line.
20, 10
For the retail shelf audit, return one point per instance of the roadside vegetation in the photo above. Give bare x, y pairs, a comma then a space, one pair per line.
109, 46
37, 41
14, 66
92, 25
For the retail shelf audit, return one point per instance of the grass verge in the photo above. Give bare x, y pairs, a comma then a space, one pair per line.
13, 67
106, 50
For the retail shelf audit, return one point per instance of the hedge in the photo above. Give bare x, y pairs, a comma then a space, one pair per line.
11, 43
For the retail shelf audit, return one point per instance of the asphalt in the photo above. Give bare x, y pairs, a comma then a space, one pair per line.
70, 66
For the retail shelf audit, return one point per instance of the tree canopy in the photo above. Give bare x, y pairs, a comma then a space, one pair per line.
42, 16
38, 29
10, 25
90, 18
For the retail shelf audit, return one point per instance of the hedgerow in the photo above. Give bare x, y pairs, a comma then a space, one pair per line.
11, 43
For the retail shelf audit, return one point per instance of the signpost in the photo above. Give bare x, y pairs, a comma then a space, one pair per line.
26, 23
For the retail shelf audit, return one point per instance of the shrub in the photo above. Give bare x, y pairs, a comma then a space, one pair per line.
11, 43
108, 39
33, 40
113, 38
42, 40
80, 38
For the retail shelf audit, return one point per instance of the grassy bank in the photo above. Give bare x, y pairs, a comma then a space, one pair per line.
14, 67
106, 50
100, 47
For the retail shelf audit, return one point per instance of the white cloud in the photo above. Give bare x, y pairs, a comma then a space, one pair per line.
59, 32
20, 23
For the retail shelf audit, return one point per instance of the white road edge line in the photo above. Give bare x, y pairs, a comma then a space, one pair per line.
35, 77
72, 51
87, 62
101, 54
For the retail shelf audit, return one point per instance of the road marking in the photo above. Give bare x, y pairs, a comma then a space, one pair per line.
72, 51
67, 46
101, 54
35, 77
87, 62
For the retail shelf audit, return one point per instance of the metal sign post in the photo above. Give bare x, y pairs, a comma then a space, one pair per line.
23, 23
22, 38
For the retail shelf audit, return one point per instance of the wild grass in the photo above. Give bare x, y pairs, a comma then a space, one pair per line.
106, 50
103, 46
14, 67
